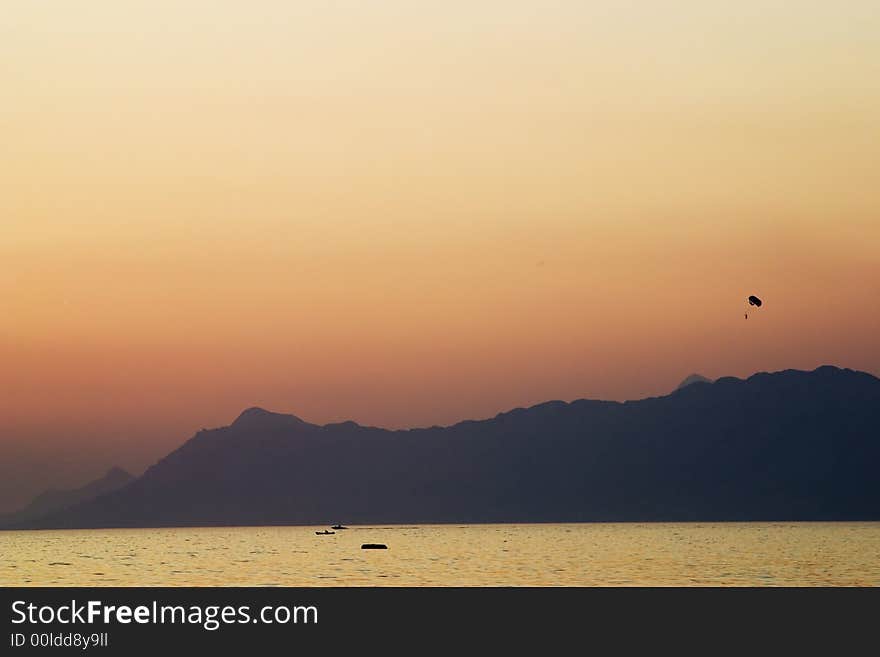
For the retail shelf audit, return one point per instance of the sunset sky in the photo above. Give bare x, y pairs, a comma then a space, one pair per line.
411, 213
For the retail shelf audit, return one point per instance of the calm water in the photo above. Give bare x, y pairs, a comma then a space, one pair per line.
655, 554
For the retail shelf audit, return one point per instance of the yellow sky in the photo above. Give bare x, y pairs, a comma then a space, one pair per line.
412, 213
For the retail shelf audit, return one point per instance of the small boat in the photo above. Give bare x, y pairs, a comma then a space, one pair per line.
325, 532
374, 546
338, 527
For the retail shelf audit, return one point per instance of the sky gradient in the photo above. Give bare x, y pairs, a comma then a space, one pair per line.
414, 213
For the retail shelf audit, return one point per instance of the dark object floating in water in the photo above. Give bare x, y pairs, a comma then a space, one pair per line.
325, 532
374, 546
338, 527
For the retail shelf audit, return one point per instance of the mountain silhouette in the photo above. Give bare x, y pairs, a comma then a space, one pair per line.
790, 445
693, 378
54, 500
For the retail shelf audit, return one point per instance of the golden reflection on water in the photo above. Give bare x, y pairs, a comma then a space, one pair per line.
600, 554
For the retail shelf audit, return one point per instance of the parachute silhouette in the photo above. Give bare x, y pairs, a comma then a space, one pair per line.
754, 301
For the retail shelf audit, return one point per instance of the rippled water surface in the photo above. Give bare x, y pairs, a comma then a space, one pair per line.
626, 554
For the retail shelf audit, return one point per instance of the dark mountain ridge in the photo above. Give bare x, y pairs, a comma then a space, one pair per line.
789, 445
54, 500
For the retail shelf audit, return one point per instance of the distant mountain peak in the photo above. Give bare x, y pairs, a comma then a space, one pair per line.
693, 378
254, 411
256, 417
56, 500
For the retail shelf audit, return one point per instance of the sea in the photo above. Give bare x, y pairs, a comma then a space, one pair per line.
590, 554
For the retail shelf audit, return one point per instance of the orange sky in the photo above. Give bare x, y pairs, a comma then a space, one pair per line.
408, 215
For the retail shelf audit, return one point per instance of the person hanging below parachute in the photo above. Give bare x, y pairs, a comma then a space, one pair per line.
753, 301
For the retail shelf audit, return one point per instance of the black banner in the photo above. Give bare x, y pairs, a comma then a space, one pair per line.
395, 620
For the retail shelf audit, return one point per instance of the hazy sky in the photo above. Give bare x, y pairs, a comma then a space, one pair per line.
408, 213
